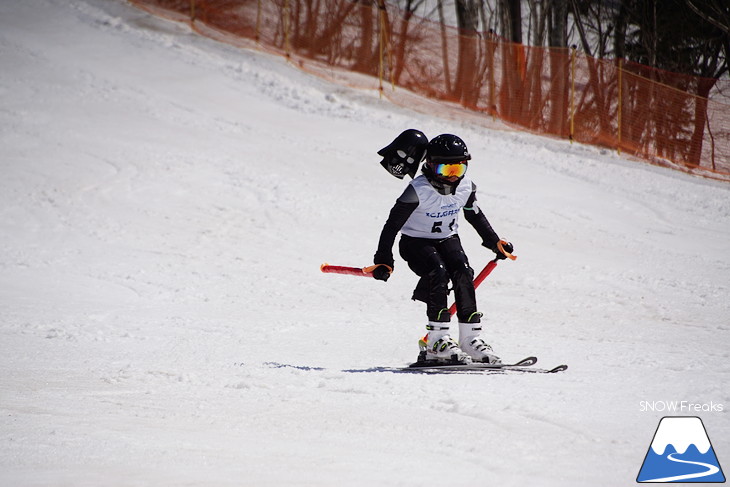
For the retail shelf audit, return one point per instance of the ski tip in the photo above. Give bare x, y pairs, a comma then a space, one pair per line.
559, 368
323, 266
527, 361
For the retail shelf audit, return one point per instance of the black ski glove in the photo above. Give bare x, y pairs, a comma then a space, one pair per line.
507, 246
382, 272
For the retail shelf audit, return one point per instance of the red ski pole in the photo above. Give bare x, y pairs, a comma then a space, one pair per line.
350, 271
486, 271
478, 280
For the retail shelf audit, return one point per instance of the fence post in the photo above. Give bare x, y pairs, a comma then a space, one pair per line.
620, 99
572, 92
258, 21
287, 22
490, 63
384, 47
381, 46
444, 47
388, 50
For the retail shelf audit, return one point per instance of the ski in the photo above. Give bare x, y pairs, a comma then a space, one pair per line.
421, 364
471, 369
521, 366
524, 365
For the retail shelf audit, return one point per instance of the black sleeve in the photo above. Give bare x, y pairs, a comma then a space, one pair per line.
404, 206
479, 221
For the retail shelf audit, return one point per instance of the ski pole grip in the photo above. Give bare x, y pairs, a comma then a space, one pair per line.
371, 268
500, 246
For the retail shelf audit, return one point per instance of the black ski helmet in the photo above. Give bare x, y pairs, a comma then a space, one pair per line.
444, 149
405, 153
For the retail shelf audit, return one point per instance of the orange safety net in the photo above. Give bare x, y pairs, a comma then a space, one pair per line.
661, 117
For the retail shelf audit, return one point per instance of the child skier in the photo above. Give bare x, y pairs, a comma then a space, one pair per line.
426, 215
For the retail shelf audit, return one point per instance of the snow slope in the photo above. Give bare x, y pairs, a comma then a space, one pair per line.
165, 204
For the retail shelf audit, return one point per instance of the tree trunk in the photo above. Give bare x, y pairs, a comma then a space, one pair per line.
619, 36
559, 68
465, 88
515, 14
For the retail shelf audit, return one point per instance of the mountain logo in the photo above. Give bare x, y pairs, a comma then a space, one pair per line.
681, 452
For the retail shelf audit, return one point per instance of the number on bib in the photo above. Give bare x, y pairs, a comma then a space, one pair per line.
436, 228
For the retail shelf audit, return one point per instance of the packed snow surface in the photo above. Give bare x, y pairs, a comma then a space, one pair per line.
165, 204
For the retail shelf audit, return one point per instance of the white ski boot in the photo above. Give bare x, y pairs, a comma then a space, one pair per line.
475, 346
438, 346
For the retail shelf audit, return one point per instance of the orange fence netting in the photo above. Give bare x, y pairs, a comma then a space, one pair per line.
661, 117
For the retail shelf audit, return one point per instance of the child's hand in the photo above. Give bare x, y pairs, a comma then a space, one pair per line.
382, 272
504, 250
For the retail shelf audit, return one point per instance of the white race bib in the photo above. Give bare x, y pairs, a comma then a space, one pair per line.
437, 215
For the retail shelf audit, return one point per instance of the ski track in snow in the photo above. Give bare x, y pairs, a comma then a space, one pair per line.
166, 204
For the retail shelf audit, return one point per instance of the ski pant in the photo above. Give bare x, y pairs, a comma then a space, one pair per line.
437, 262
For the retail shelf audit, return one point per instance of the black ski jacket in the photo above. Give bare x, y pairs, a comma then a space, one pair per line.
407, 203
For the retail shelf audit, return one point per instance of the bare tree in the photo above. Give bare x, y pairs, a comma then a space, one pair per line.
467, 17
510, 19
715, 12
401, 42
558, 24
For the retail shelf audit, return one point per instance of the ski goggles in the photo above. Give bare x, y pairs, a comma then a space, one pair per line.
450, 170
